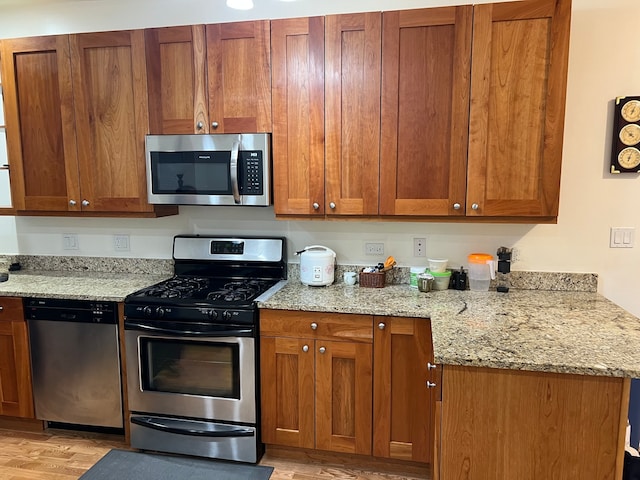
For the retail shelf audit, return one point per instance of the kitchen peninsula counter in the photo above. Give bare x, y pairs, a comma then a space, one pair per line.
537, 330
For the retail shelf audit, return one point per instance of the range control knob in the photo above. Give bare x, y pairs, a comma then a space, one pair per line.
212, 314
147, 311
159, 312
226, 315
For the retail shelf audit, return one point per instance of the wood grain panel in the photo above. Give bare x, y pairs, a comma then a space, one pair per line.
425, 95
518, 89
403, 405
111, 107
343, 397
330, 326
287, 392
352, 109
239, 76
297, 56
41, 139
176, 79
531, 425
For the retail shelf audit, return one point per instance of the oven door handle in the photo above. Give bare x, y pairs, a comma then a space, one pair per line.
239, 332
165, 425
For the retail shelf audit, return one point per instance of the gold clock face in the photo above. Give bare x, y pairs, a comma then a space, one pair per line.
630, 134
629, 158
631, 111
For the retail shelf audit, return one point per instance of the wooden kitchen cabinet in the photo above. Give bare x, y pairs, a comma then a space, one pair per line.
518, 84
209, 79
316, 380
76, 116
326, 98
16, 396
297, 57
425, 111
507, 424
403, 402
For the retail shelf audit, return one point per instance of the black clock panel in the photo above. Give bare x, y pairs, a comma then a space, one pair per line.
625, 155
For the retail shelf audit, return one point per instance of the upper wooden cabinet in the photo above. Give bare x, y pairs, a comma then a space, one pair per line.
76, 118
16, 395
425, 111
518, 83
297, 59
209, 79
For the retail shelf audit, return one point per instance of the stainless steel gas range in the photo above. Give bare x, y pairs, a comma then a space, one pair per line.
192, 351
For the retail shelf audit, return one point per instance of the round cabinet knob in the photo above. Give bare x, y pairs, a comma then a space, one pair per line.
456, 206
332, 205
305, 348
316, 205
322, 349
199, 125
475, 206
1, 308
73, 203
85, 203
381, 326
430, 384
431, 366
314, 326
214, 124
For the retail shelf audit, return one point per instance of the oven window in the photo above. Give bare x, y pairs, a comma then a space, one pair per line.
191, 367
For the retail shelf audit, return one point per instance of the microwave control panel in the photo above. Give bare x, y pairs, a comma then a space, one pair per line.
252, 171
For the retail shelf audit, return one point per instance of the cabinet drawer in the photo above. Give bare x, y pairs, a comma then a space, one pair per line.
11, 309
330, 326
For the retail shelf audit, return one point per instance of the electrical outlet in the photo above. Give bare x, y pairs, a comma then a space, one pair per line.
419, 247
371, 248
121, 243
70, 241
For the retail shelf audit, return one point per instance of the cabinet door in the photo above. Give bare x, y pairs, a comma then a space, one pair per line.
110, 92
239, 77
352, 109
16, 397
425, 111
287, 376
41, 137
403, 405
343, 396
518, 83
297, 56
176, 80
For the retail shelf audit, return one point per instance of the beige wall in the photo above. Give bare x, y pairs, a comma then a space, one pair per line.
603, 65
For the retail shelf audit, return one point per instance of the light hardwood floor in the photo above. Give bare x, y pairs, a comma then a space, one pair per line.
66, 455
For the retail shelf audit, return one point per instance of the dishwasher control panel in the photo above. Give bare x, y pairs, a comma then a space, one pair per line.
65, 310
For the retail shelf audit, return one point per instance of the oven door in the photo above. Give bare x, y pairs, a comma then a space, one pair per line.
206, 373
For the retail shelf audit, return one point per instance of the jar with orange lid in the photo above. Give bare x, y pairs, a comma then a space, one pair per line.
481, 271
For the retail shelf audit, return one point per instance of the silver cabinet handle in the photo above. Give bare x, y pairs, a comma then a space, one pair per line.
233, 170
431, 366
316, 205
430, 384
332, 205
305, 348
214, 124
85, 203
72, 203
4, 166
456, 206
322, 349
475, 206
199, 125
381, 326
314, 326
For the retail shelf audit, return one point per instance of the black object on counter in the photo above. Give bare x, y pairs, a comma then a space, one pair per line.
459, 279
4, 276
15, 267
504, 268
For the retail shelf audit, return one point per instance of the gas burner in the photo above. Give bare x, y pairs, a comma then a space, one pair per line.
177, 287
236, 291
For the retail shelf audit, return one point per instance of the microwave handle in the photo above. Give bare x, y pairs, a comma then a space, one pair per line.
233, 170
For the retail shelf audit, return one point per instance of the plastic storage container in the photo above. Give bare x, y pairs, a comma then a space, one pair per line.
441, 280
481, 271
413, 275
438, 265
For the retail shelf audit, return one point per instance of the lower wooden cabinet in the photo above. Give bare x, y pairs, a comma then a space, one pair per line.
316, 380
16, 396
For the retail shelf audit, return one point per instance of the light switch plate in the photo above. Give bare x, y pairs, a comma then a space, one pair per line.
121, 243
70, 241
622, 237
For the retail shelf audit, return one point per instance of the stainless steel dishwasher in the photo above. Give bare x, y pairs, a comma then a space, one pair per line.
75, 361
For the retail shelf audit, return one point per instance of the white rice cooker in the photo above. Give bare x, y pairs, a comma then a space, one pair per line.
317, 265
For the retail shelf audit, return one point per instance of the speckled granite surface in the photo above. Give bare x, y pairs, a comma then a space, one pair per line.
539, 330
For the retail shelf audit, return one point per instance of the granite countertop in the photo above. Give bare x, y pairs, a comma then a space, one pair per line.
538, 330
76, 285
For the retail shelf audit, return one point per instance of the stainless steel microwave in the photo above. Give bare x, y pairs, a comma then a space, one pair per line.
220, 169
